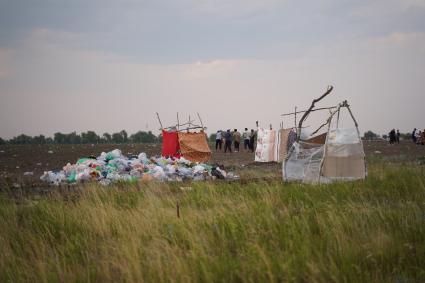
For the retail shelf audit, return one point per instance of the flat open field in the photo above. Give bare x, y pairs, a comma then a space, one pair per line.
256, 230
15, 160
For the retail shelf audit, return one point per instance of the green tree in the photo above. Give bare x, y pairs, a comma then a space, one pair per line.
59, 138
89, 137
107, 138
21, 139
369, 135
124, 136
117, 138
39, 139
212, 137
73, 138
143, 137
2, 141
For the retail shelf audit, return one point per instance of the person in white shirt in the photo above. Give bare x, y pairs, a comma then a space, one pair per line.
245, 136
218, 140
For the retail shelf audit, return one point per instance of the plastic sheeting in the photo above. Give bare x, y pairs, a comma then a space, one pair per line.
340, 158
113, 166
303, 163
345, 158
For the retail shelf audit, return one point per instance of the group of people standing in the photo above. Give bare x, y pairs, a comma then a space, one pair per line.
418, 137
235, 138
394, 136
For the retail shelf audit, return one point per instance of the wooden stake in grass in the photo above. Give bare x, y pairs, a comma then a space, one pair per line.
178, 210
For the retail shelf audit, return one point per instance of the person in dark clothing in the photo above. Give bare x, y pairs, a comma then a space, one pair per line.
414, 135
228, 141
392, 136
398, 136
252, 140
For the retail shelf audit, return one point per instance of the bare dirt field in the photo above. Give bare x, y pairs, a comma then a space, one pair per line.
15, 160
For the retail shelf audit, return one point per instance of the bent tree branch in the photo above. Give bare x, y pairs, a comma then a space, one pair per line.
300, 124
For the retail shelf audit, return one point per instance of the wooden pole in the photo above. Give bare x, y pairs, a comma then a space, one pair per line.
317, 109
178, 121
295, 116
157, 115
200, 120
178, 210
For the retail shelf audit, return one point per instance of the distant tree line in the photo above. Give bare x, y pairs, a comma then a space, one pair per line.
89, 137
369, 135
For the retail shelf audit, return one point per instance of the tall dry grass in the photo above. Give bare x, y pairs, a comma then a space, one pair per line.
370, 231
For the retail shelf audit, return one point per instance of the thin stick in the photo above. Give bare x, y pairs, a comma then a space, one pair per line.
317, 109
191, 128
178, 122
178, 210
295, 116
202, 124
157, 115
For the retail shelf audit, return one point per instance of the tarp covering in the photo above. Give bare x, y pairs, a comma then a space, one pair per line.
320, 139
194, 146
345, 156
170, 144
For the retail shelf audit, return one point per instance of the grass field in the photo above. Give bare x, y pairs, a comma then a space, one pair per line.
371, 231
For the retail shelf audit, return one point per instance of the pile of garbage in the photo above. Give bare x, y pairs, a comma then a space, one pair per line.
114, 166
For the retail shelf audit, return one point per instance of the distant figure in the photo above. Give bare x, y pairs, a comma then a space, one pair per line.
228, 141
245, 137
392, 136
419, 138
236, 139
218, 140
398, 136
414, 139
423, 137
252, 140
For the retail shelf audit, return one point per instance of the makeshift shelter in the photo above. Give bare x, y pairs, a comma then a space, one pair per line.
179, 141
335, 155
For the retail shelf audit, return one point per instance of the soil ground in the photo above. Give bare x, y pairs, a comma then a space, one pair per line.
15, 160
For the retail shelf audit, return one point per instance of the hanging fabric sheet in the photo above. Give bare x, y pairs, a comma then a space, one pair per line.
266, 150
283, 143
194, 147
170, 144
273, 145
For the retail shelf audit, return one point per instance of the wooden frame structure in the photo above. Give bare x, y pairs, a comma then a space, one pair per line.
189, 125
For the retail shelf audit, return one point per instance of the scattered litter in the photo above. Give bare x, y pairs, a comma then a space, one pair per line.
1, 151
17, 167
39, 164
377, 152
28, 173
114, 166
185, 188
50, 152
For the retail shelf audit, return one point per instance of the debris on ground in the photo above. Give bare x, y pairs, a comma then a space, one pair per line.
114, 166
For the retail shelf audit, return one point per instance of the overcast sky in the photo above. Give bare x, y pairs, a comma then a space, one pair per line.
110, 65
